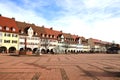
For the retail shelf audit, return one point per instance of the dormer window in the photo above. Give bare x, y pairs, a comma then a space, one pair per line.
36, 34
43, 35
0, 27
13, 29
49, 35
4, 27
62, 37
7, 28
22, 32
52, 36
19, 31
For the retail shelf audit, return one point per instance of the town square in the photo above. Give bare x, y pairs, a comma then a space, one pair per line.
59, 39
60, 67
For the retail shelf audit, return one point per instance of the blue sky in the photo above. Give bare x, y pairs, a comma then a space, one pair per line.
98, 19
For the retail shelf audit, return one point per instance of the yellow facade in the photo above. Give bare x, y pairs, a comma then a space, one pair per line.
0, 39
10, 40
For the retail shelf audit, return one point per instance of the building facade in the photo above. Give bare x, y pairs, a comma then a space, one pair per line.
9, 37
97, 45
28, 37
19, 36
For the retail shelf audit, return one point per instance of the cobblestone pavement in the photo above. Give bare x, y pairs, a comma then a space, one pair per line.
60, 67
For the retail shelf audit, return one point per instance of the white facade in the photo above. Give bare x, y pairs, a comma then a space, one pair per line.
79, 47
31, 42
86, 48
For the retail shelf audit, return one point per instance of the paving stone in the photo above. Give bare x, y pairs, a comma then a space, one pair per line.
60, 67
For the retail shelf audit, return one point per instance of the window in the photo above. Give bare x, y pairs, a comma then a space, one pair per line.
43, 35
35, 33
21, 32
22, 37
4, 27
7, 28
21, 42
12, 29
7, 34
0, 34
14, 35
0, 40
6, 41
52, 36
49, 36
14, 41
0, 27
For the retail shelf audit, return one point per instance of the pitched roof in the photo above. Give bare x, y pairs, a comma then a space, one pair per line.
40, 30
8, 22
24, 27
52, 32
82, 38
96, 40
67, 35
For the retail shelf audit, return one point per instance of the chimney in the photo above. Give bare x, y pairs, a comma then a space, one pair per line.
0, 14
33, 24
61, 31
13, 18
51, 28
43, 26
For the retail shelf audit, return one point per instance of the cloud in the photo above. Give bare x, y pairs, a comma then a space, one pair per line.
88, 18
92, 18
9, 9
